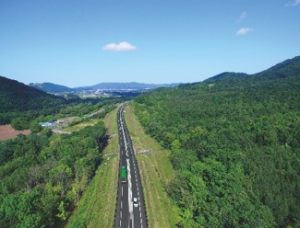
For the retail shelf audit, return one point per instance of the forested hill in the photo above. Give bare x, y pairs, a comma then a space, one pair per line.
15, 96
226, 75
235, 145
287, 69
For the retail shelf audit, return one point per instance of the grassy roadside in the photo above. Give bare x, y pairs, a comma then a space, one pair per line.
156, 172
97, 206
83, 124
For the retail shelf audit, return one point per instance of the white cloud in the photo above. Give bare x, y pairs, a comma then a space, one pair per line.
243, 31
293, 3
122, 46
243, 15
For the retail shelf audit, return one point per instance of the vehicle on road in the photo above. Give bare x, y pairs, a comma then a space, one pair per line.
123, 174
135, 202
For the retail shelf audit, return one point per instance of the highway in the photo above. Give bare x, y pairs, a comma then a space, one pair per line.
128, 213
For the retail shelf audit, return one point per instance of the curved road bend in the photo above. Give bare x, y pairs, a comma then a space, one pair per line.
127, 215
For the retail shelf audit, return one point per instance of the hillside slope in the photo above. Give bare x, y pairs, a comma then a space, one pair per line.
287, 69
15, 96
235, 145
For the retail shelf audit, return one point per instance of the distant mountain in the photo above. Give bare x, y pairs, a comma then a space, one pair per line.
105, 86
124, 86
15, 96
51, 87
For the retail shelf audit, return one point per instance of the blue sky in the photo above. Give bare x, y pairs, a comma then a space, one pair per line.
78, 43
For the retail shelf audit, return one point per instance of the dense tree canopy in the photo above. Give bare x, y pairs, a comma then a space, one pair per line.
43, 176
235, 144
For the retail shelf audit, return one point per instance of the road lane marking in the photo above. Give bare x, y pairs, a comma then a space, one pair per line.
130, 204
127, 149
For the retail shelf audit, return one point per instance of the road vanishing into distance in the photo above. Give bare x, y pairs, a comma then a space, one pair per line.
130, 211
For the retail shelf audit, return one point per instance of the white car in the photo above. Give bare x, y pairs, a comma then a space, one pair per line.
135, 202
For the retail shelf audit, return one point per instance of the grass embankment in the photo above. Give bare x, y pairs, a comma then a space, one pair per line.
97, 206
81, 125
156, 172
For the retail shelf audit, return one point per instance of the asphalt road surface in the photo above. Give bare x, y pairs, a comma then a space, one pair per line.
128, 213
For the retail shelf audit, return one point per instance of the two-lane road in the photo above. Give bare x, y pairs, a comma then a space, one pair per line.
130, 200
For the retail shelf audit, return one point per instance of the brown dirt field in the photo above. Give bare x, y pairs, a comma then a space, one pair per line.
8, 132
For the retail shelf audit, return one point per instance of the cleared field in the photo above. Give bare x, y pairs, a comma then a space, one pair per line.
97, 206
156, 172
8, 132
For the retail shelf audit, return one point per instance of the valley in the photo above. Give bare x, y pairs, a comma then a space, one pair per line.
150, 114
227, 144
101, 90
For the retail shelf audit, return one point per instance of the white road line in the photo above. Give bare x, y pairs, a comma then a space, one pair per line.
124, 138
130, 192
122, 191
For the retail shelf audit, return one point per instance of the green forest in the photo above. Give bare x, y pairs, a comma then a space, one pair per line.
43, 176
235, 142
